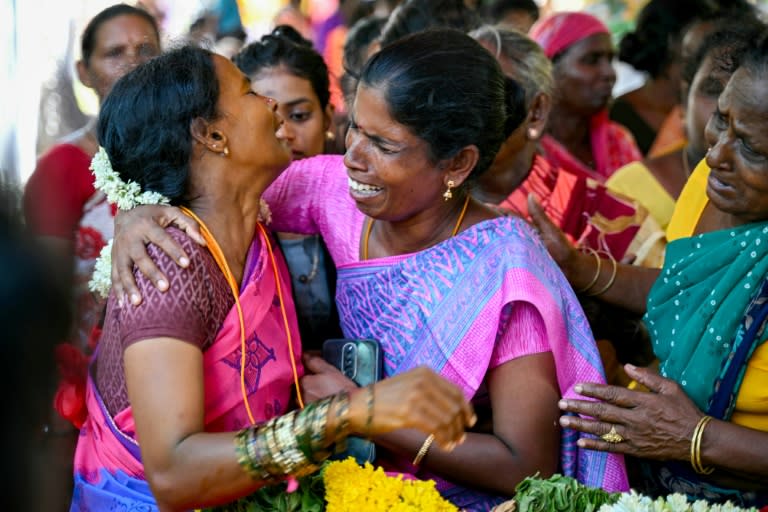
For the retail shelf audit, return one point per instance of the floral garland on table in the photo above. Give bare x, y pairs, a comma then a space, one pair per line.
126, 196
345, 486
564, 494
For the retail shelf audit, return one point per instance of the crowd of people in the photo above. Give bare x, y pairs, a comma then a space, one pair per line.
559, 281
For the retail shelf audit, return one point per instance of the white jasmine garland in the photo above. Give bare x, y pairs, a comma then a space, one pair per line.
125, 196
634, 502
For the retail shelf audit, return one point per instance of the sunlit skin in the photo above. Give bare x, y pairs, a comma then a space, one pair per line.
121, 44
305, 119
385, 154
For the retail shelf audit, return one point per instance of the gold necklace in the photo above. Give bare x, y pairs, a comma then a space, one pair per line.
369, 228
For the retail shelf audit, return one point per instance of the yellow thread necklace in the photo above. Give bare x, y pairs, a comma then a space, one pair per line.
369, 228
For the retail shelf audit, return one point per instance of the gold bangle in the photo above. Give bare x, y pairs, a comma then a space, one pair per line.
698, 433
610, 281
423, 450
597, 273
369, 407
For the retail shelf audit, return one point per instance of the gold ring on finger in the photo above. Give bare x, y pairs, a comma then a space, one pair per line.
612, 436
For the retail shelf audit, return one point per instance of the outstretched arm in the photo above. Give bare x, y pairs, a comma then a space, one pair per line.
187, 467
660, 425
631, 284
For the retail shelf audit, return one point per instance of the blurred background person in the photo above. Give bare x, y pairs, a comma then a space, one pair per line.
580, 136
517, 14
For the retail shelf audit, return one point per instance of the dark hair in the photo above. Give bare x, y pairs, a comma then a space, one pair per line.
145, 125
660, 26
286, 47
727, 45
88, 39
414, 16
756, 58
449, 90
497, 9
359, 39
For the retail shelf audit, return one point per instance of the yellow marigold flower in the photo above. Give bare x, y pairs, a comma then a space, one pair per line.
352, 488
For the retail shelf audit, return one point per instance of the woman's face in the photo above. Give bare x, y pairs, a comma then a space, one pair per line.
584, 75
738, 135
121, 44
305, 120
708, 82
391, 174
248, 123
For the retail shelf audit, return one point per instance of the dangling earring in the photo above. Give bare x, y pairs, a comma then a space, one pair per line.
225, 152
330, 136
448, 194
533, 133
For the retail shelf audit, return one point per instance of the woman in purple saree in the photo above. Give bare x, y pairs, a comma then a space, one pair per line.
438, 278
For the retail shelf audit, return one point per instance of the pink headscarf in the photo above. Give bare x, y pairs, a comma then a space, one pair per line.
558, 32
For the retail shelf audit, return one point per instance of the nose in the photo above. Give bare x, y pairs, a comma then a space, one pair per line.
289, 133
353, 142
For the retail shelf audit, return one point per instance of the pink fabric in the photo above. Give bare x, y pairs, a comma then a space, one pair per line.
612, 147
312, 196
557, 32
268, 373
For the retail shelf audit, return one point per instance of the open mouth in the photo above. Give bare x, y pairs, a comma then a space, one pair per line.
362, 189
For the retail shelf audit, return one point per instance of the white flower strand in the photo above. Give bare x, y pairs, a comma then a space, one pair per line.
125, 196
634, 502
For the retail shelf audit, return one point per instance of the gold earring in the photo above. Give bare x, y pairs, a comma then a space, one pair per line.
330, 136
226, 151
448, 194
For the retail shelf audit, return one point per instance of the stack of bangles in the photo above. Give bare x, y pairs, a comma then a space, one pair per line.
598, 261
292, 444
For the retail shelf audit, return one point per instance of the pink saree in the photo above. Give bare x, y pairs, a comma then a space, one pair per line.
109, 474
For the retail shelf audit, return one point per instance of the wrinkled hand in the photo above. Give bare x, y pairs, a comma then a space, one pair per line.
322, 380
419, 399
558, 245
138, 227
656, 425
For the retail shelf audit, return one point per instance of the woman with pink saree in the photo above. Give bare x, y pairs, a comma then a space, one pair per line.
190, 395
438, 278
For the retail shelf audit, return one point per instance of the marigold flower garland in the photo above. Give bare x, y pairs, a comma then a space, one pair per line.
350, 487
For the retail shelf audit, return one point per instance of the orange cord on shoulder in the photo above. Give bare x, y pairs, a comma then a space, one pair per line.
218, 256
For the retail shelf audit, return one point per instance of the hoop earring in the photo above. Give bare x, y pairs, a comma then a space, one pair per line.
448, 194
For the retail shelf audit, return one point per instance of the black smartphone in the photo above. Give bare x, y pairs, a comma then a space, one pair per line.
359, 360
362, 361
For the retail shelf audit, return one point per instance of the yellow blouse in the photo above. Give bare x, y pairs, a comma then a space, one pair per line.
690, 204
752, 401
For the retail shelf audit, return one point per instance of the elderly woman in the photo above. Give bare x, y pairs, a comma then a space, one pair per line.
190, 393
703, 430
582, 208
410, 242
580, 137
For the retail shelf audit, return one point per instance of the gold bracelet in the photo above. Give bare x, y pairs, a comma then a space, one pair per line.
423, 450
597, 273
610, 281
698, 433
